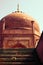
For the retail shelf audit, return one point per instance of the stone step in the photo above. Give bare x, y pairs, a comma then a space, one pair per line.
17, 63
17, 57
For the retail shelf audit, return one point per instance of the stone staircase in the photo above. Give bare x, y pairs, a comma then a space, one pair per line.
22, 56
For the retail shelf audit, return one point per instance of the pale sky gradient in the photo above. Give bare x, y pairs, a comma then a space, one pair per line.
33, 8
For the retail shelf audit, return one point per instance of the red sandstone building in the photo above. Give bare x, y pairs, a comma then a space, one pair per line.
18, 30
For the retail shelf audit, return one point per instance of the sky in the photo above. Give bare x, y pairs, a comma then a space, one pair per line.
33, 8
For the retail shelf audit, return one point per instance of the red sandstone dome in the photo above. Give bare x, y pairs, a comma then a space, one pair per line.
18, 26
20, 20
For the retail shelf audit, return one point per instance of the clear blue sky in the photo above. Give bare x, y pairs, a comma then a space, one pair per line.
33, 8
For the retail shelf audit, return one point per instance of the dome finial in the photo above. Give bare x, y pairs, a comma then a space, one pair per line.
18, 7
